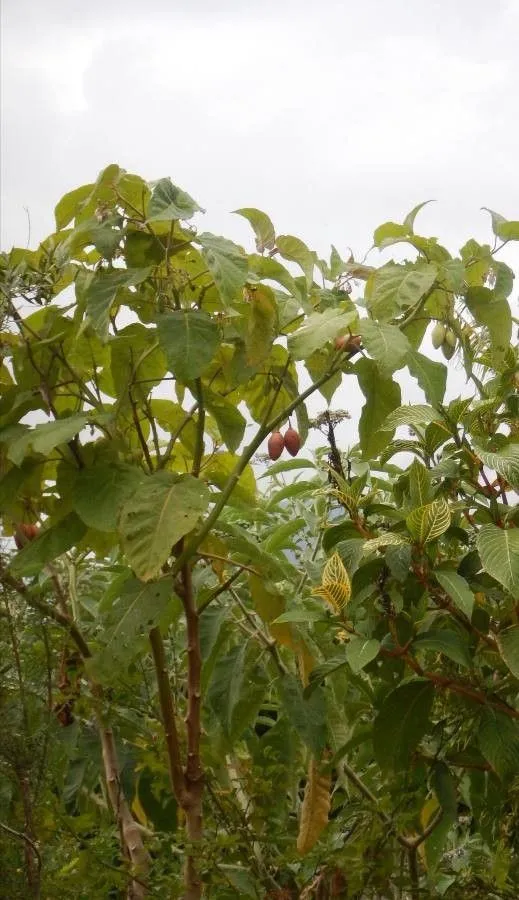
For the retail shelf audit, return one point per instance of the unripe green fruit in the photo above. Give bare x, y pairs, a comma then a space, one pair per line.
448, 350
438, 335
450, 338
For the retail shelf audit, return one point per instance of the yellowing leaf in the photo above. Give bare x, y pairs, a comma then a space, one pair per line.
315, 809
336, 585
430, 521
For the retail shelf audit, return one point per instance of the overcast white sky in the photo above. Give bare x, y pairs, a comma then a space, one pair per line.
332, 116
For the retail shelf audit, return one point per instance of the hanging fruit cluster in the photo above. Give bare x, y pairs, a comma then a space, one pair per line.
277, 442
444, 337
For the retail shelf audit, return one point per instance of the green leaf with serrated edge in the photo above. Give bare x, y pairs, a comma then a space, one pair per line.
387, 344
227, 264
163, 509
51, 543
418, 414
447, 642
505, 462
401, 723
319, 328
499, 552
307, 716
100, 491
498, 737
457, 589
382, 396
430, 375
189, 340
430, 521
508, 643
263, 227
101, 291
231, 423
360, 652
168, 202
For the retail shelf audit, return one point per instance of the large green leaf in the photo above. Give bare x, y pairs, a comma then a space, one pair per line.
418, 414
263, 227
168, 202
505, 462
494, 314
318, 329
227, 264
65, 211
231, 423
430, 375
382, 396
306, 715
295, 250
387, 344
360, 652
134, 610
50, 543
430, 521
498, 737
416, 283
420, 490
506, 229
218, 468
401, 722
163, 509
499, 552
189, 340
101, 290
508, 643
261, 324
439, 640
44, 438
395, 286
457, 589
100, 491
226, 684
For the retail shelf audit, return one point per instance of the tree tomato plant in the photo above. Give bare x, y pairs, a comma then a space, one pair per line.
291, 681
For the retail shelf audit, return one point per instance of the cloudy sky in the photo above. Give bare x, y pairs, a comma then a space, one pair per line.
332, 116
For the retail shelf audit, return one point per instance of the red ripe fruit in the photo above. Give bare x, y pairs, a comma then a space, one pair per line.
292, 441
350, 343
275, 445
24, 533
